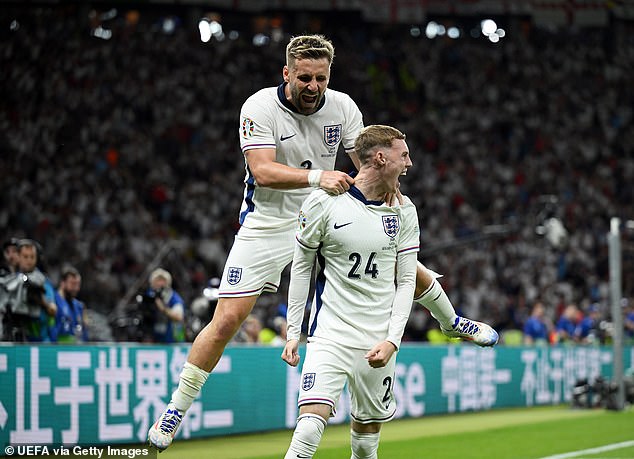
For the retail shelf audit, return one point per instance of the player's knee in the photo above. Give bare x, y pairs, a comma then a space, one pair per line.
423, 280
364, 445
307, 435
226, 322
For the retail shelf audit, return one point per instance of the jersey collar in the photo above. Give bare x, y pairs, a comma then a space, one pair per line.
281, 95
356, 193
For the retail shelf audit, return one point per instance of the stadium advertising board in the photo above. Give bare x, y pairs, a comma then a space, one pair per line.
110, 394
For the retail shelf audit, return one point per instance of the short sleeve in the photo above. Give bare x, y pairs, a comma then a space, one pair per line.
353, 126
256, 124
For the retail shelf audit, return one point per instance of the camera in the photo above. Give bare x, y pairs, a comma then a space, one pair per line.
148, 297
20, 302
144, 313
22, 293
34, 285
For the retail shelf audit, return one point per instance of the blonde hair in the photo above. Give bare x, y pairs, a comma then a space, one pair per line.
309, 47
160, 272
375, 136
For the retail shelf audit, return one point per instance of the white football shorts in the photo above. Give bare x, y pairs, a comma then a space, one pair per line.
328, 366
256, 261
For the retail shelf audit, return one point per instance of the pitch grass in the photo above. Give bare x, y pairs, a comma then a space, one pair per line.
528, 433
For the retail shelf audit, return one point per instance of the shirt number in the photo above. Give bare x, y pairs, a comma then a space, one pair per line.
370, 266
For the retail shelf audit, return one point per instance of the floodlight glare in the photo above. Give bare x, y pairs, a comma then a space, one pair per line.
488, 27
205, 31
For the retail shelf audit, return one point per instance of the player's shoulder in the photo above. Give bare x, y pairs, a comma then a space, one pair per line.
340, 97
408, 208
261, 98
407, 202
318, 196
316, 203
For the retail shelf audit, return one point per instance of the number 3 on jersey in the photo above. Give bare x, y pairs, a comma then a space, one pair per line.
370, 267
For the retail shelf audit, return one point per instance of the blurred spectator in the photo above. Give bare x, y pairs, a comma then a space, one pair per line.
70, 323
498, 126
249, 331
202, 308
536, 328
10, 285
167, 308
279, 330
567, 324
33, 318
588, 330
10, 252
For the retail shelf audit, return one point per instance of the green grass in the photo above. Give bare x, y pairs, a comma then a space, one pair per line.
528, 433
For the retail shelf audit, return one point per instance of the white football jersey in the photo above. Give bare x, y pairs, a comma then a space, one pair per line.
357, 243
268, 120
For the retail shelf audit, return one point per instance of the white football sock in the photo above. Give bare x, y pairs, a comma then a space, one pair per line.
307, 436
364, 445
436, 300
191, 381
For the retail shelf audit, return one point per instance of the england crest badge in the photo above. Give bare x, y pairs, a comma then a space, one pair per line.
332, 134
308, 381
391, 225
234, 275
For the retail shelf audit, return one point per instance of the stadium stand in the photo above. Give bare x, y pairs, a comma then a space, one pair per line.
111, 147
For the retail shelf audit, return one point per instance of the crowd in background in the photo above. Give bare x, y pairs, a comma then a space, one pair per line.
114, 151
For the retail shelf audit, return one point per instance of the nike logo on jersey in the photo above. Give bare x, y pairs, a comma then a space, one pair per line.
282, 138
341, 226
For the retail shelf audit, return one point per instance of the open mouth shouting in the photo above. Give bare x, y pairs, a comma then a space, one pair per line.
310, 100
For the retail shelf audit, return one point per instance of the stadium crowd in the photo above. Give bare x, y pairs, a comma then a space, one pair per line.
114, 149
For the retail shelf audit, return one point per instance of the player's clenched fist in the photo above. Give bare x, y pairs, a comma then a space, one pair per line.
289, 354
380, 354
335, 182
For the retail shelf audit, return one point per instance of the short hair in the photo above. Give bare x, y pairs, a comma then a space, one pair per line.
69, 271
309, 47
160, 272
11, 242
373, 137
30, 243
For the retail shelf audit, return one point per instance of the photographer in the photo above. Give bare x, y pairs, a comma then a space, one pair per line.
69, 322
168, 323
31, 316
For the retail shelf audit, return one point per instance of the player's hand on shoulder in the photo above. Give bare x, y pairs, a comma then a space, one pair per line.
290, 354
380, 354
335, 182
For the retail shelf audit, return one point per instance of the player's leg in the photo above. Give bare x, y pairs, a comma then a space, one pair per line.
430, 294
310, 427
372, 403
426, 294
364, 440
205, 353
323, 377
254, 265
210, 343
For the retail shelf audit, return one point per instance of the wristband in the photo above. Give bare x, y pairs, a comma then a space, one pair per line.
314, 177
